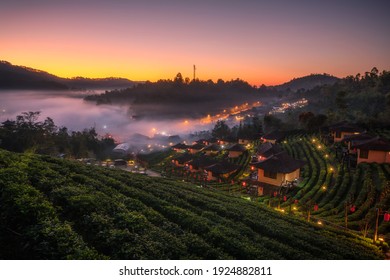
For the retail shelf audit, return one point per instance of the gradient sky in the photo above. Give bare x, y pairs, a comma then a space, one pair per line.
260, 41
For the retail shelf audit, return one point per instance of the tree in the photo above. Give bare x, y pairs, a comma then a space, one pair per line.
305, 117
316, 122
341, 102
178, 79
221, 130
271, 123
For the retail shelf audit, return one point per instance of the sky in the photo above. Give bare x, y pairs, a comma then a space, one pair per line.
262, 42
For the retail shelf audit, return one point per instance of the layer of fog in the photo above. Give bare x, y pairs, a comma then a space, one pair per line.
70, 110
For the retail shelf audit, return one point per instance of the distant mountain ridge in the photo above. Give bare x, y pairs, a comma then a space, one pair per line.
21, 77
307, 82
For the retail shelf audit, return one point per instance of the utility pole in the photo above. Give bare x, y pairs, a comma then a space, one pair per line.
376, 224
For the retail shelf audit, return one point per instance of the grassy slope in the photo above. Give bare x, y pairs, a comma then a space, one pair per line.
54, 209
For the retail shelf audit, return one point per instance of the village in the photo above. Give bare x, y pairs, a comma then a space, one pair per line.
321, 177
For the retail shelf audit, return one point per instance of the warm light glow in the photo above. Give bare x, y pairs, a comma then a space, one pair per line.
319, 147
319, 222
324, 188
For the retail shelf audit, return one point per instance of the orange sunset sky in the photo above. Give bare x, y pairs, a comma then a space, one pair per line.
266, 42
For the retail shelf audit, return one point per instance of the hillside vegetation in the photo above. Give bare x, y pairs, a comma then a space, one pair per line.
58, 209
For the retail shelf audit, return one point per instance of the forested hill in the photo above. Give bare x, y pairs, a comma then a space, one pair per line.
178, 90
20, 77
307, 82
57, 209
361, 98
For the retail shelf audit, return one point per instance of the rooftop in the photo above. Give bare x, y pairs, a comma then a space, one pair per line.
268, 149
274, 135
222, 168
202, 162
197, 146
184, 158
378, 144
280, 163
212, 147
345, 127
179, 146
236, 148
359, 137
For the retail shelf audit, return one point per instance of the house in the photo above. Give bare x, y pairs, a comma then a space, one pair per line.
122, 149
377, 150
120, 163
182, 159
244, 141
356, 139
236, 150
211, 149
266, 150
273, 137
210, 141
173, 139
226, 141
201, 141
247, 140
220, 170
196, 148
179, 147
200, 163
277, 170
339, 131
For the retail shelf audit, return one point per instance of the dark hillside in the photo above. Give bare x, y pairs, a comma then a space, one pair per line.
20, 77
307, 82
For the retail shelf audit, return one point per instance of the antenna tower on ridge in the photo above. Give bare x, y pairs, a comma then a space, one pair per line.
194, 72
